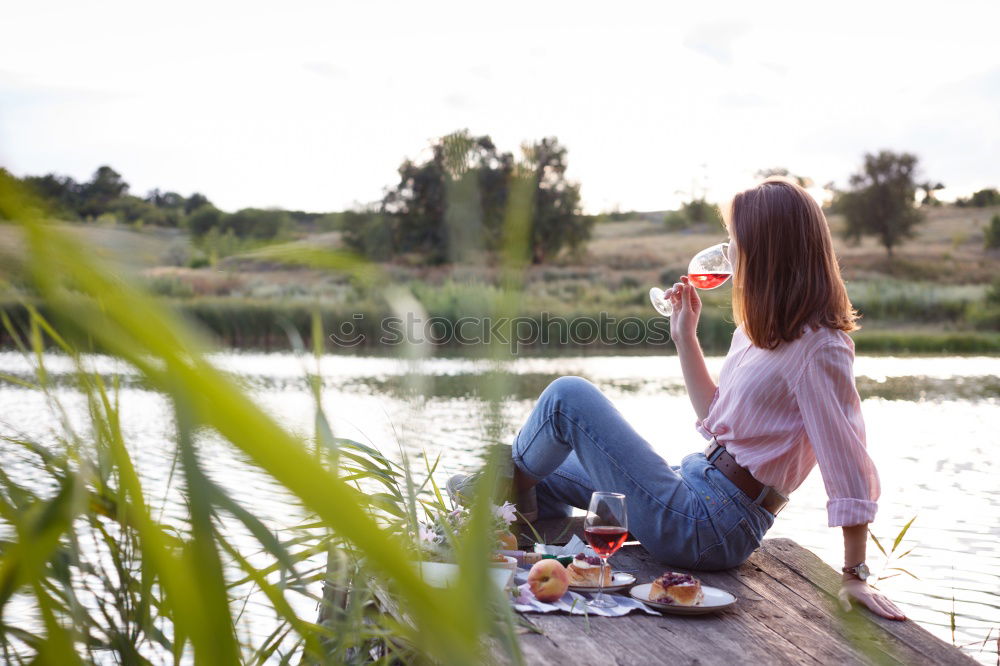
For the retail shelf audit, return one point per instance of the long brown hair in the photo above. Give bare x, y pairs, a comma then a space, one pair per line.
786, 273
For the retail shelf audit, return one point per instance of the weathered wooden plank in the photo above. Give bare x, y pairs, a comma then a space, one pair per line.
587, 641
804, 566
646, 639
787, 614
773, 619
783, 617
802, 617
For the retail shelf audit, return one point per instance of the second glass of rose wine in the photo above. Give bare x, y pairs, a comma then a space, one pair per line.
605, 527
708, 269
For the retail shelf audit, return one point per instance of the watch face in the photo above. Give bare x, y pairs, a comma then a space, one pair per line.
863, 571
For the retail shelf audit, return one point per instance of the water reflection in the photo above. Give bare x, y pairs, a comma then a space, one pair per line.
528, 385
931, 424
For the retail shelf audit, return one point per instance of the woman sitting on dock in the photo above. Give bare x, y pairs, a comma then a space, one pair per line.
786, 400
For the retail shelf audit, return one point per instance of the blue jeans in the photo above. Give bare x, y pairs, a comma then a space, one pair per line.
691, 515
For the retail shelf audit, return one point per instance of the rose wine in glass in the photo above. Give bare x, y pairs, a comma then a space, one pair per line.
605, 527
707, 270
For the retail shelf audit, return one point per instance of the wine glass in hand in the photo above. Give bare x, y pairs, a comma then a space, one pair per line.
708, 269
605, 528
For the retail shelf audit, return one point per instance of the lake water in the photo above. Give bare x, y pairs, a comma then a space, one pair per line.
933, 430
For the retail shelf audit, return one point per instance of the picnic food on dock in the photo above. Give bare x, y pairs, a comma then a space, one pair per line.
676, 588
548, 580
585, 571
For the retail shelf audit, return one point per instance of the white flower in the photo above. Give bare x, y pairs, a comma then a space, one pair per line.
507, 512
426, 534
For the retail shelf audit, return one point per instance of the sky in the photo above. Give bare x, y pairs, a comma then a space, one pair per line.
313, 105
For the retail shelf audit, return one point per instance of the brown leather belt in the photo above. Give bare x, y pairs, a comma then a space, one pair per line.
766, 496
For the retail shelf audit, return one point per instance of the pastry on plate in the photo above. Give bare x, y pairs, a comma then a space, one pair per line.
676, 588
585, 571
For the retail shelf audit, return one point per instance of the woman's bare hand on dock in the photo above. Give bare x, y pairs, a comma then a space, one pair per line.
875, 601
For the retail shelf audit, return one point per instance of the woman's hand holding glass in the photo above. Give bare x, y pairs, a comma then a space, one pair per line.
708, 269
686, 305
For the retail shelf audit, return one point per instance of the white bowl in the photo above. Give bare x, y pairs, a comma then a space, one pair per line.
446, 574
508, 563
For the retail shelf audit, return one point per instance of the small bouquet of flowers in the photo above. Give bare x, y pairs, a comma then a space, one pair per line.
434, 539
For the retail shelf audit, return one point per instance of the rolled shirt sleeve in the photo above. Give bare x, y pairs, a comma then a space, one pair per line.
831, 413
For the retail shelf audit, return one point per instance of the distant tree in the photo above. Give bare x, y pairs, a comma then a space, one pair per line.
414, 209
803, 181
304, 218
557, 222
168, 200
332, 221
257, 222
492, 172
194, 202
930, 187
62, 194
696, 211
100, 191
139, 212
453, 204
204, 219
881, 199
369, 232
106, 196
991, 235
986, 197
170, 204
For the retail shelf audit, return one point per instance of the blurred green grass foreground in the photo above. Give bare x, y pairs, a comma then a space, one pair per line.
92, 570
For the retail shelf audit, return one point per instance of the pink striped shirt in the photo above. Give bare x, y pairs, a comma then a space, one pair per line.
779, 412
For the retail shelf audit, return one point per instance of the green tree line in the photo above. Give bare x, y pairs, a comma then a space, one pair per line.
451, 206
448, 207
106, 197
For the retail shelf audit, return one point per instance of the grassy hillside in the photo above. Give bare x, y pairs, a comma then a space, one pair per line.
932, 296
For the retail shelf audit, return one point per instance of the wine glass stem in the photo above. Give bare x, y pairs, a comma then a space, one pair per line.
600, 590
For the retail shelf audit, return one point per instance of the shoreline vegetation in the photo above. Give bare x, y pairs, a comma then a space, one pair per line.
471, 229
263, 325
939, 293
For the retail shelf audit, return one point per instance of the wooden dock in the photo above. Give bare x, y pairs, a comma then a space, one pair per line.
787, 613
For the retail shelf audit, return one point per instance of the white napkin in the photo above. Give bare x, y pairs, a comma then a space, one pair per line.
572, 602
573, 547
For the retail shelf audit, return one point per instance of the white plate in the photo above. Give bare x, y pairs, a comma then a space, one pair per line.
715, 600
619, 581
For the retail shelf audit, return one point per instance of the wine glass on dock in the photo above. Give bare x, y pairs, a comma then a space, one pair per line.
605, 528
708, 269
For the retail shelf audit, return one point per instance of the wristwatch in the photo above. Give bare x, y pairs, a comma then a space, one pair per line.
860, 571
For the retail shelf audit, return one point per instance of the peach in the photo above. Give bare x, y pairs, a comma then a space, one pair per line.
548, 580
